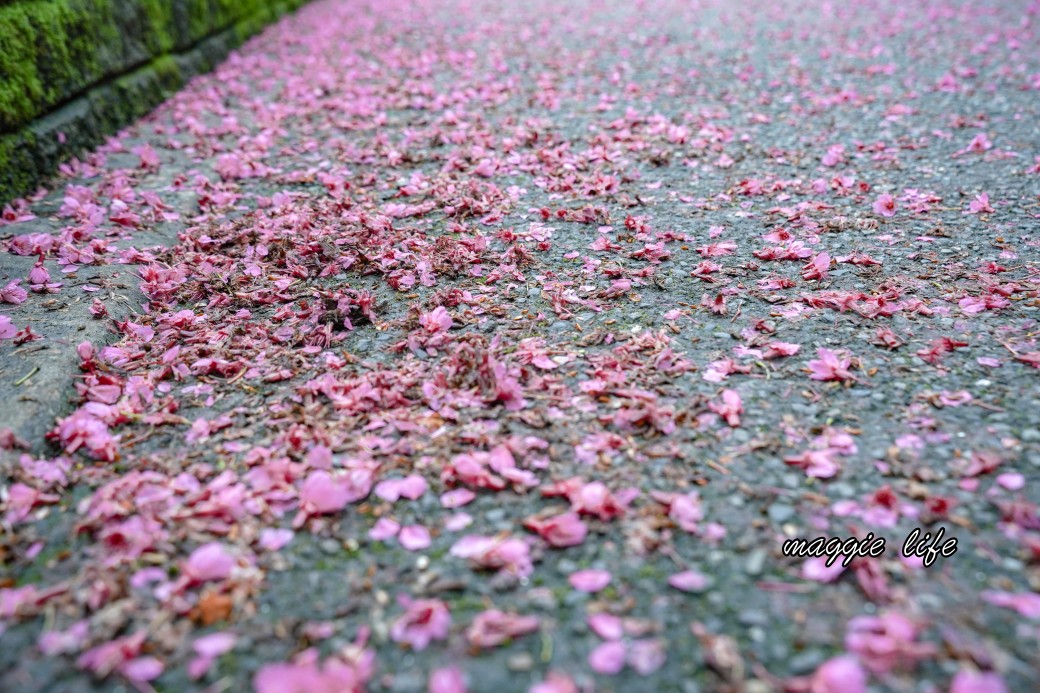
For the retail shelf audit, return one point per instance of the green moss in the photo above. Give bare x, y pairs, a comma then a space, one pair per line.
134, 95
648, 570
117, 59
19, 85
51, 50
18, 171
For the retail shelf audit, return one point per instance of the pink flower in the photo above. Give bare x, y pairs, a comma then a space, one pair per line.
731, 407
980, 205
493, 627
414, 537
423, 621
12, 293
979, 144
39, 274
82, 429
438, 320
608, 658
717, 305
839, 675
830, 366
559, 531
971, 681
834, 156
885, 205
209, 562
817, 267
590, 580
447, 680
689, 581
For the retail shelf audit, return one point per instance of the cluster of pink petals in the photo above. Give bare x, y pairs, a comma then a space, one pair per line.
511, 554
209, 562
819, 464
207, 650
12, 293
644, 656
307, 675
592, 498
559, 531
81, 429
411, 487
830, 366
493, 627
886, 642
322, 493
730, 408
423, 621
242, 308
885, 205
842, 674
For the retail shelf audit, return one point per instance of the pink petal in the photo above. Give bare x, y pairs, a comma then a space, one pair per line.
840, 675
969, 681
142, 669
384, 529
458, 522
275, 539
590, 580
413, 487
209, 562
646, 656
414, 537
214, 644
689, 581
1012, 481
608, 658
816, 568
199, 667
606, 626
447, 680
457, 498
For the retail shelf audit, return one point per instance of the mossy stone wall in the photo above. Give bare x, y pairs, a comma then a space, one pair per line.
85, 68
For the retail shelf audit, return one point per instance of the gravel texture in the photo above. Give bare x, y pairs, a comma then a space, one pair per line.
501, 346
